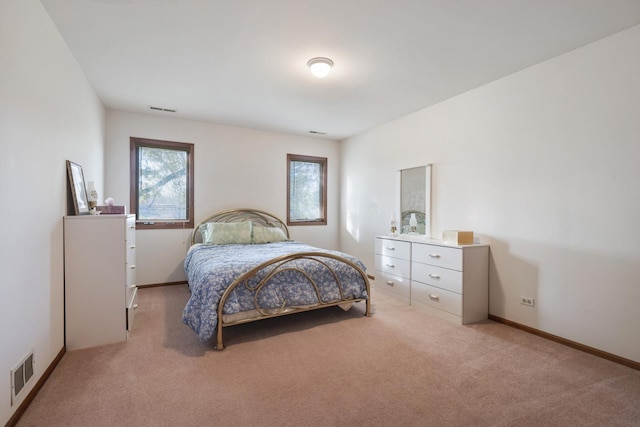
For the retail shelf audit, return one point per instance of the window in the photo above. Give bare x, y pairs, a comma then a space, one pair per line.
161, 183
306, 190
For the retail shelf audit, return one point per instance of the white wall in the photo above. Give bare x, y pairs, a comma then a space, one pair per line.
48, 114
234, 167
543, 166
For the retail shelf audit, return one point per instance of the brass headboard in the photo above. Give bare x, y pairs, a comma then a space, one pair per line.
256, 216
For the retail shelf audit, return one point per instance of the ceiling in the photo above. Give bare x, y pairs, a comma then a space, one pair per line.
243, 62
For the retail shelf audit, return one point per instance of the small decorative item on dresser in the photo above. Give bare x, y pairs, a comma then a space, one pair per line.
92, 195
92, 198
393, 229
110, 209
456, 237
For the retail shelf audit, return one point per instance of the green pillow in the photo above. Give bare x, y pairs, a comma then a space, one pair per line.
268, 234
226, 233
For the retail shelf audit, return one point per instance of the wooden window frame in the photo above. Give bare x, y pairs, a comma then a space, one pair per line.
134, 144
322, 161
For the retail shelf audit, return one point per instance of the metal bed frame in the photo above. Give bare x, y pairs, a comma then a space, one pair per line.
276, 266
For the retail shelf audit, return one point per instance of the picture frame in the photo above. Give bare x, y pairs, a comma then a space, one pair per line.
78, 189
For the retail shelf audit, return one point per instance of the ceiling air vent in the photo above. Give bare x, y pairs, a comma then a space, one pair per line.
168, 110
315, 132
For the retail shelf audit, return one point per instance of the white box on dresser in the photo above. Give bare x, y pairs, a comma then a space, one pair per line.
448, 281
100, 291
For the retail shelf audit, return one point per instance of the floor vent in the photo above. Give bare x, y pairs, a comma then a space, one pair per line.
20, 376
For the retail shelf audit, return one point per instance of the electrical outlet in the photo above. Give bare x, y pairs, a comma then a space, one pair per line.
528, 301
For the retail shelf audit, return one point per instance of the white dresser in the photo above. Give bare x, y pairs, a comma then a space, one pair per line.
448, 281
100, 291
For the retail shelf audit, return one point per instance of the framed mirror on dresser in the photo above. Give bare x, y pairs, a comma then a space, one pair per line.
415, 200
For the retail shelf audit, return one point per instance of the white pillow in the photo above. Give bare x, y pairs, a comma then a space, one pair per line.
267, 234
226, 233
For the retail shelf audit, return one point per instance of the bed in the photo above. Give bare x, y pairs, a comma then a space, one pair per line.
242, 267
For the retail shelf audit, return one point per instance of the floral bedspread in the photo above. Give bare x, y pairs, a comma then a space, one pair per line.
211, 269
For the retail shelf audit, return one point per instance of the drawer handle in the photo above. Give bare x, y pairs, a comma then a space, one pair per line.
390, 283
433, 297
132, 267
132, 246
434, 276
391, 266
434, 255
390, 248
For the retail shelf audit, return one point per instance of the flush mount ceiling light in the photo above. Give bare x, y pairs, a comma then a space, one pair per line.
320, 67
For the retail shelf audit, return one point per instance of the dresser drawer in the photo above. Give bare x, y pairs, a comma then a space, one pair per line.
130, 274
132, 305
445, 278
395, 285
131, 252
130, 234
393, 248
393, 266
440, 256
435, 297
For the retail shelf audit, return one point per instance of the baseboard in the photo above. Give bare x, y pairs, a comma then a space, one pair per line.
155, 285
603, 354
32, 394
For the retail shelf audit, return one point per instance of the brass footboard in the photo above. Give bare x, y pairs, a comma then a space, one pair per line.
281, 264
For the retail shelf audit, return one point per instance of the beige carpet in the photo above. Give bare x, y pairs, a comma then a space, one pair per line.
333, 368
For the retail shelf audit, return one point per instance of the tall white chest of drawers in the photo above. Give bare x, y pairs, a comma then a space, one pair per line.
100, 291
448, 281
